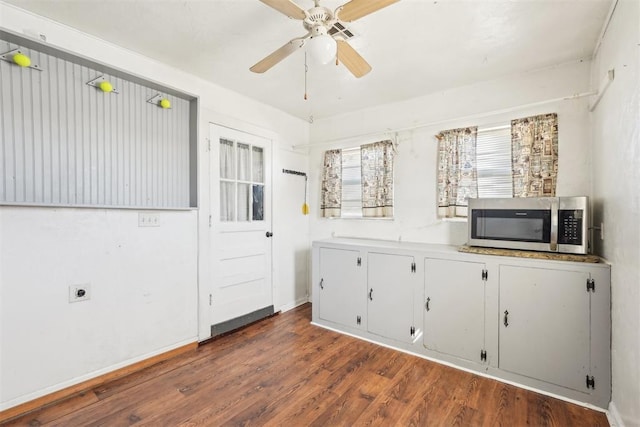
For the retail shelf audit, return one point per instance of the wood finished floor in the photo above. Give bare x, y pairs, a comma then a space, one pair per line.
283, 371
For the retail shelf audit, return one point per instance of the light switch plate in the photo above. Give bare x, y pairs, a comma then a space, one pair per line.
148, 219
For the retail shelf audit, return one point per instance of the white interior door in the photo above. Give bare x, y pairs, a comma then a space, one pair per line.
240, 230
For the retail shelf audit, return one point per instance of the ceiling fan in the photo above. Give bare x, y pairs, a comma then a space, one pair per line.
318, 21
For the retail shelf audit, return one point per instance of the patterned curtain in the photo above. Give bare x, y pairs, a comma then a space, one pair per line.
331, 184
457, 173
534, 155
376, 164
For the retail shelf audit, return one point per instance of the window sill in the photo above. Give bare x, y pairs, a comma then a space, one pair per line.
456, 219
365, 218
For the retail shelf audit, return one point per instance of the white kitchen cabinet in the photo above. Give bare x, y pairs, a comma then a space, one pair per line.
558, 313
391, 281
545, 324
454, 318
341, 287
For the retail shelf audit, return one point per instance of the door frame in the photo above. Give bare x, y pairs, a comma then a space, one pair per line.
207, 207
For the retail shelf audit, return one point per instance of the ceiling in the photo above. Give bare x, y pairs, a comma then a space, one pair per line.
416, 47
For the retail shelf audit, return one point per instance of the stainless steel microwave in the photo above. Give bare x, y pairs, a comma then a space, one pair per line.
550, 224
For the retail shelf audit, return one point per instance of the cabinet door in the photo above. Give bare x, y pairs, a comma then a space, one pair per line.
544, 324
342, 287
391, 282
454, 308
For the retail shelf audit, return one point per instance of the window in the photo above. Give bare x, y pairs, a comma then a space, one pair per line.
493, 162
351, 184
358, 182
241, 182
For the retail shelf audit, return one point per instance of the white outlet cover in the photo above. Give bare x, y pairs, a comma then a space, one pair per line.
74, 289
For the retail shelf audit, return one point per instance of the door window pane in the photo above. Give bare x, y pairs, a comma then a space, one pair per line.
227, 201
227, 169
258, 202
243, 202
244, 174
258, 164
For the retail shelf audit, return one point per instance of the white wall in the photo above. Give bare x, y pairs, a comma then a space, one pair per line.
616, 174
415, 166
142, 293
291, 231
144, 280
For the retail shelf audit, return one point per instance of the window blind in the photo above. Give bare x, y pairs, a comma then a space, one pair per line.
493, 151
351, 184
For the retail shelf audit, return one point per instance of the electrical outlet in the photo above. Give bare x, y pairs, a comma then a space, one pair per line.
79, 293
148, 219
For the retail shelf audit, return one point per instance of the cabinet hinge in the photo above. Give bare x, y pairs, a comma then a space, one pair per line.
485, 274
413, 267
483, 355
208, 144
358, 320
591, 285
210, 299
591, 382
359, 262
209, 221
412, 331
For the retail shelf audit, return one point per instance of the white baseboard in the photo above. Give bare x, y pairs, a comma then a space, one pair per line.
613, 416
294, 304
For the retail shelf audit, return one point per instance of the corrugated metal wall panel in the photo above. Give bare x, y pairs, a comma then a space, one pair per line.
67, 143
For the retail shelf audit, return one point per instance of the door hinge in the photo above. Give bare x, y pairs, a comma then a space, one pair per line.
591, 285
412, 331
358, 320
359, 262
483, 355
485, 274
208, 144
413, 267
591, 382
210, 299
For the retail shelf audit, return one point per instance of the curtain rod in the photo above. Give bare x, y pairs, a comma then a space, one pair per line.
469, 117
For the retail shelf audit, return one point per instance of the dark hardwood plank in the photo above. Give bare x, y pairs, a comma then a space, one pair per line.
283, 371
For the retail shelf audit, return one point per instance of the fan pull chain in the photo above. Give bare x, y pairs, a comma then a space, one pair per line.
306, 69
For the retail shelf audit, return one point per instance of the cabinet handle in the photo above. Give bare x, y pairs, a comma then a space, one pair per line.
371, 294
506, 318
426, 305
321, 281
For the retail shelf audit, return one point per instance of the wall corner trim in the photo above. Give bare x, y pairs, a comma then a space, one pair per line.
613, 416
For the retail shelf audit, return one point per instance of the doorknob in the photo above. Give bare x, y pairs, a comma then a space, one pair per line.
269, 234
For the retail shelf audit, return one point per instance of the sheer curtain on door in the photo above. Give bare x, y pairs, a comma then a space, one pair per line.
227, 188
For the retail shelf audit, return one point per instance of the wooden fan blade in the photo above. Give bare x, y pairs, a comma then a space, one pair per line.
358, 8
277, 56
287, 7
352, 59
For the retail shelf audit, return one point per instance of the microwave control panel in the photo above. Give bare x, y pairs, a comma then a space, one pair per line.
570, 227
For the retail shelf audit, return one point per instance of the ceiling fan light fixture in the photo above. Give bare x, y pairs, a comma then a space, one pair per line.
322, 48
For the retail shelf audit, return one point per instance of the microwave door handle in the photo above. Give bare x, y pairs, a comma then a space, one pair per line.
553, 243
